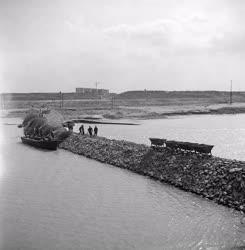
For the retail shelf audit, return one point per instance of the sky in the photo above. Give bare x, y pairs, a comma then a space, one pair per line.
58, 45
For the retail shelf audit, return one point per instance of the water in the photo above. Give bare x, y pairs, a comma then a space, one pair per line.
58, 200
226, 132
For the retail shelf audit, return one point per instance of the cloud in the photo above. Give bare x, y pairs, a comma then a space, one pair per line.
161, 46
176, 36
193, 34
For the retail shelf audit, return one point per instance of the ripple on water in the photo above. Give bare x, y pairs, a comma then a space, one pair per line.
59, 200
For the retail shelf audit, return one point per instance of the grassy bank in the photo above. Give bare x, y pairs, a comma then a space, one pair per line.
102, 109
131, 104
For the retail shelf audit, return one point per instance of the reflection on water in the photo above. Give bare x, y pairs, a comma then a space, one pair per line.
58, 200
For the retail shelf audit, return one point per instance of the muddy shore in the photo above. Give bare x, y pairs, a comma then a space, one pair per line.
99, 111
218, 179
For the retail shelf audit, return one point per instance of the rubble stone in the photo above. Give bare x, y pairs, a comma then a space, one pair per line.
221, 180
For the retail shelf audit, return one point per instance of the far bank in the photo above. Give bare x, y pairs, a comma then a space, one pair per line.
101, 109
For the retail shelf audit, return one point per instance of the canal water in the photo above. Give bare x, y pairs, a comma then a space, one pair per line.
226, 132
59, 200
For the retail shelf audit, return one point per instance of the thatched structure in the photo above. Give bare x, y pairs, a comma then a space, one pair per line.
37, 122
37, 125
28, 118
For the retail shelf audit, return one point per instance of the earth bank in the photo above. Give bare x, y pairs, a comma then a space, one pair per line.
219, 179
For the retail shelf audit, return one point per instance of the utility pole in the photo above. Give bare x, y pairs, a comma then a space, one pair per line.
231, 93
112, 102
96, 86
60, 99
146, 97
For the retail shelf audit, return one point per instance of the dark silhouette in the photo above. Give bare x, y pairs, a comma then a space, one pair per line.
70, 126
90, 131
81, 129
95, 130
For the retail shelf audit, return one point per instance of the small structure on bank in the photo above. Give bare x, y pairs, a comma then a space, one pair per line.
158, 143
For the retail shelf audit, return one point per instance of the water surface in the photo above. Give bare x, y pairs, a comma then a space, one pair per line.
58, 200
226, 132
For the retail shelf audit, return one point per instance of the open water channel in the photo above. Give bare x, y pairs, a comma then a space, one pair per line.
59, 200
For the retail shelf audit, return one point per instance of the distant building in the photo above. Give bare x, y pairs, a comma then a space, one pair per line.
93, 92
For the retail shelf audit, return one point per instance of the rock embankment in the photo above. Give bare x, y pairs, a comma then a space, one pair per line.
215, 178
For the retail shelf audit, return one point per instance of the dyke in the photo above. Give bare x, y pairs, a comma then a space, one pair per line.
215, 178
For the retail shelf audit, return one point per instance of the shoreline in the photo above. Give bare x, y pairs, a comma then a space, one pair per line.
218, 179
95, 121
135, 113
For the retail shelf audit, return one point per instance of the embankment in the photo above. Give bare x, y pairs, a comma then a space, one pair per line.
215, 178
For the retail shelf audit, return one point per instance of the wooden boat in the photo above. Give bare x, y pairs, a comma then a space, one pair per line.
40, 143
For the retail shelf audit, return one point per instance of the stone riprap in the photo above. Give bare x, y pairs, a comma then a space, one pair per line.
221, 180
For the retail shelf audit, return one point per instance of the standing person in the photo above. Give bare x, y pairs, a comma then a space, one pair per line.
70, 126
95, 130
81, 129
90, 131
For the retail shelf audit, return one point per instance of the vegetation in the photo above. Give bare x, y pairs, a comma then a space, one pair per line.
131, 104
37, 125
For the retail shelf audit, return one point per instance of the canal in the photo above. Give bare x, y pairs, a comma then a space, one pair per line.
58, 200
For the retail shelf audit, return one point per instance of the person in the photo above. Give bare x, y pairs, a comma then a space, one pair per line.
81, 129
90, 131
70, 126
95, 130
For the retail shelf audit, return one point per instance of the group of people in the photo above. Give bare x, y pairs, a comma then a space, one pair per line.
91, 131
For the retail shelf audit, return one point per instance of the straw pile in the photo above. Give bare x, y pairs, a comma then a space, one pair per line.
45, 124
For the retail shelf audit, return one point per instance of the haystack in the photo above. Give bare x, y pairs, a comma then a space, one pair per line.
45, 123
54, 119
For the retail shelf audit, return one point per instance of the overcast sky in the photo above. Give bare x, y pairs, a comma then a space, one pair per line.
58, 45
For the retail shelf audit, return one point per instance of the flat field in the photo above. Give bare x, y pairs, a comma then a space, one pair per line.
128, 108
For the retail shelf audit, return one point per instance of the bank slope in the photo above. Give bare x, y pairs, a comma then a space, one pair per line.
221, 180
